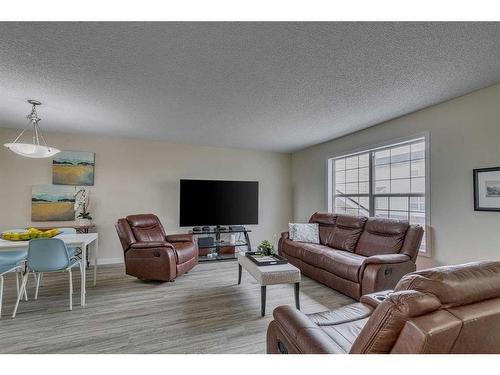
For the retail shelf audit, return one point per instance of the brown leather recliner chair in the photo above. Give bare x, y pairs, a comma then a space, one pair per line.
454, 309
150, 254
356, 255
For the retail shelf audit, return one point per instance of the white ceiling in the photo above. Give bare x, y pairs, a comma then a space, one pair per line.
267, 86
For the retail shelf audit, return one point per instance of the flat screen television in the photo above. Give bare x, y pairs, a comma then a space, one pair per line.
213, 202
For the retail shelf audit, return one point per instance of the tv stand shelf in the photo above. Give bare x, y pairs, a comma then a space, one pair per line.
216, 245
216, 256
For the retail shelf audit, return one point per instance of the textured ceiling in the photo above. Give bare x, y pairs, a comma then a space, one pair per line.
268, 86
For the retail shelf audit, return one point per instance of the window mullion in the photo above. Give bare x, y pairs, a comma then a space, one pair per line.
371, 182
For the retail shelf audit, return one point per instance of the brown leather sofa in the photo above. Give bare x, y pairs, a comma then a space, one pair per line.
454, 309
356, 255
150, 254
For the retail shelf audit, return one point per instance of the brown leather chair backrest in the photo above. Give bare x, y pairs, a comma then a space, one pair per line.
339, 231
146, 228
124, 234
413, 239
382, 236
368, 236
453, 309
326, 222
347, 231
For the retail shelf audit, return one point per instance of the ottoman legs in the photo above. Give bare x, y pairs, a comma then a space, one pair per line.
262, 300
297, 300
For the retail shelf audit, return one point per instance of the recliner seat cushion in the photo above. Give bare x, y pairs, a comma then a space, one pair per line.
346, 233
345, 334
382, 236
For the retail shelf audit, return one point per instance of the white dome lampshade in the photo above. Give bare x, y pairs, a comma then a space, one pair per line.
30, 150
35, 149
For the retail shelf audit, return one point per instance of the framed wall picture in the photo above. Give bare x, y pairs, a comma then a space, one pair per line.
487, 189
73, 168
52, 203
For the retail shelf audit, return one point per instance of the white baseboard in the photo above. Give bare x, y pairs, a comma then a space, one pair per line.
102, 261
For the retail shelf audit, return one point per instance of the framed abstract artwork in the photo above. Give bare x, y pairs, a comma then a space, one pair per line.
73, 168
52, 203
487, 189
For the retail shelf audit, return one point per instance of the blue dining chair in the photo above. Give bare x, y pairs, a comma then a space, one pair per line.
10, 261
48, 255
14, 254
72, 251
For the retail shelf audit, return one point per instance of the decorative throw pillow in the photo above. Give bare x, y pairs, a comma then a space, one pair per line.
304, 232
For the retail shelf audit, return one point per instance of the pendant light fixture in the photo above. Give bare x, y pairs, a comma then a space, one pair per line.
34, 149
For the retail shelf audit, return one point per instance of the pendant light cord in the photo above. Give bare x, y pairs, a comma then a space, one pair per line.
21, 134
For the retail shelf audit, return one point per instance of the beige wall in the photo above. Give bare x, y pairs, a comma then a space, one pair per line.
142, 176
464, 134
136, 176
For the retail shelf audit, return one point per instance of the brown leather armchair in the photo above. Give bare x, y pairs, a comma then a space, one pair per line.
453, 309
150, 254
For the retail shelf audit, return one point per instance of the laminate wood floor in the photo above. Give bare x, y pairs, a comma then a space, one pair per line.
204, 311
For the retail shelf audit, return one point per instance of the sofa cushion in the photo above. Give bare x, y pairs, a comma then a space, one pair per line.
326, 223
382, 236
291, 248
315, 254
346, 233
339, 262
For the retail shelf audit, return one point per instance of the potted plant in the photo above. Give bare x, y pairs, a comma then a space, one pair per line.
82, 203
266, 248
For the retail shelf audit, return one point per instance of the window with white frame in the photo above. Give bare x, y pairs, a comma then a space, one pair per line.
383, 182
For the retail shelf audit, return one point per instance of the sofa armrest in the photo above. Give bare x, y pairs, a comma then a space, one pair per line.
284, 236
375, 299
151, 245
152, 263
387, 259
300, 330
180, 237
383, 272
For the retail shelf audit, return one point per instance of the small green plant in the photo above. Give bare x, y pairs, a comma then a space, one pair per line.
266, 248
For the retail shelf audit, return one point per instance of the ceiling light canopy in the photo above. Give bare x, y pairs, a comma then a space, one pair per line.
34, 149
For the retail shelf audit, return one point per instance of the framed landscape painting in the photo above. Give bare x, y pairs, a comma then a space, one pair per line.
487, 189
52, 203
73, 168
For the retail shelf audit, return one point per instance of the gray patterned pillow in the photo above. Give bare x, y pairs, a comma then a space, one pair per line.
304, 232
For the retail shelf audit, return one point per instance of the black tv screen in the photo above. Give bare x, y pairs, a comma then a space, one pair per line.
212, 202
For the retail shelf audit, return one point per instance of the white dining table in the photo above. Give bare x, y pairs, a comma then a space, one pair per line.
85, 241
